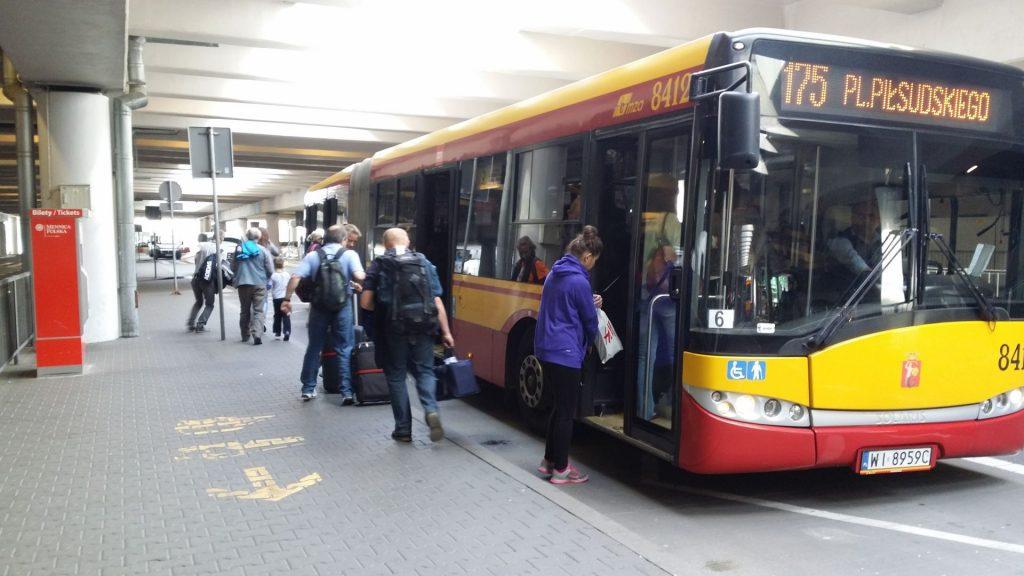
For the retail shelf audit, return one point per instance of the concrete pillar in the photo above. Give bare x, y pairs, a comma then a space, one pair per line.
74, 149
273, 227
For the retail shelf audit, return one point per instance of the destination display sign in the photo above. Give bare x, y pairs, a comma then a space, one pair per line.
829, 90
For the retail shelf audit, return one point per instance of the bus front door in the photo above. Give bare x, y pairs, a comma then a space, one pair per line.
639, 182
657, 265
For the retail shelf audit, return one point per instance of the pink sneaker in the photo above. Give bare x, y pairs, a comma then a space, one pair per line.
544, 469
568, 476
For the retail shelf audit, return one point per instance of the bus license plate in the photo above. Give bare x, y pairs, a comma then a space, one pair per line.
895, 460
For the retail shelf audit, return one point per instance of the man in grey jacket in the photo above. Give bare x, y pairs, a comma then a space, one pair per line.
251, 276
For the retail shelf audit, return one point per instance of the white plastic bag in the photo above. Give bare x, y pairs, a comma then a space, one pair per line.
608, 343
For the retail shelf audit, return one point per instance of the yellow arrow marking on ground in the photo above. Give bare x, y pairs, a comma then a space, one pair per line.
265, 487
222, 450
217, 425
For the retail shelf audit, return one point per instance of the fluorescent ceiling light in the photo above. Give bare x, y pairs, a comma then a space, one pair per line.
972, 169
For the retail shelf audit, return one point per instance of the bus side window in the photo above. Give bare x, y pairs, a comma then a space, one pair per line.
480, 196
406, 213
549, 197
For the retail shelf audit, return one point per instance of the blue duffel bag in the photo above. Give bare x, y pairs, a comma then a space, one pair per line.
455, 379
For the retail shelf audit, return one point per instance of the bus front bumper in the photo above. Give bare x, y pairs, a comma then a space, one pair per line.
710, 444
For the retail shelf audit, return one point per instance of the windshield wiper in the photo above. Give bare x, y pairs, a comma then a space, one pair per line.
891, 248
985, 308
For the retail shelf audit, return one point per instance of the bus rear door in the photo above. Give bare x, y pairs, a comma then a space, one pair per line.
433, 225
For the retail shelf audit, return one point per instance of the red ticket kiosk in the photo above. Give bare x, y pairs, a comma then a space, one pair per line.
55, 275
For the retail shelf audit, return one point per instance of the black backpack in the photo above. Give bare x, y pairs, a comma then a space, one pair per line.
411, 309
207, 272
331, 286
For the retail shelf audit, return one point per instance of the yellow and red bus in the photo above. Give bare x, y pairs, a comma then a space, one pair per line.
814, 247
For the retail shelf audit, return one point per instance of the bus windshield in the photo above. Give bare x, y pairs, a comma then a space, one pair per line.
785, 245
974, 193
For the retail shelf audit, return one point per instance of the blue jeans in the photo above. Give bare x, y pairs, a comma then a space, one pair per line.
348, 342
417, 354
333, 329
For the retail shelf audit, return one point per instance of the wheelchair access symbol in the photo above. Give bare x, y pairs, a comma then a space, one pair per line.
746, 370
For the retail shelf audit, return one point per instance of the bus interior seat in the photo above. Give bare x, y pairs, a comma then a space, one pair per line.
980, 260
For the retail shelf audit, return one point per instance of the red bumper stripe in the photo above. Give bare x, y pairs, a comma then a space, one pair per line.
711, 444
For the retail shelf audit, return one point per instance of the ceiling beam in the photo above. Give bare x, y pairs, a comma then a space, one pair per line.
334, 92
284, 202
293, 114
181, 145
142, 118
324, 70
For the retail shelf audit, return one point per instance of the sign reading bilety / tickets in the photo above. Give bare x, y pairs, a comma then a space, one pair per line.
55, 269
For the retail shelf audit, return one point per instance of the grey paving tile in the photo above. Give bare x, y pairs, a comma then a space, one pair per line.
105, 474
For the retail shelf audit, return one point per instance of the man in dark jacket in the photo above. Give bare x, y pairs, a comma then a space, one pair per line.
403, 350
204, 289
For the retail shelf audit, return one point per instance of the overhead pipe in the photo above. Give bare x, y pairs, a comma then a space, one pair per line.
16, 93
124, 197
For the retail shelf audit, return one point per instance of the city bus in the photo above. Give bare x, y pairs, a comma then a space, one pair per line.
813, 248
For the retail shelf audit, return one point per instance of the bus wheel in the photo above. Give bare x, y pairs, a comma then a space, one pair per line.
532, 396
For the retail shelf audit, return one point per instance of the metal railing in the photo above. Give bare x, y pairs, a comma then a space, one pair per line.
17, 321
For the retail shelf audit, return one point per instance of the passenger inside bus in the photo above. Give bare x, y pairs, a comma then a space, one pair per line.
528, 268
658, 363
573, 191
853, 245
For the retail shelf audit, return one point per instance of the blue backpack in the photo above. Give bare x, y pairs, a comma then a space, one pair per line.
248, 249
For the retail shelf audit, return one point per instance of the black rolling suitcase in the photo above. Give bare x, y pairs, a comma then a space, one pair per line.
371, 387
368, 381
330, 364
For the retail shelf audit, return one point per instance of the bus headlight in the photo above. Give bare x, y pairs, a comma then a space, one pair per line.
1016, 397
796, 412
746, 407
750, 407
1002, 404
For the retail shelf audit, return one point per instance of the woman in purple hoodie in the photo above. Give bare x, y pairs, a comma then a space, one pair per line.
566, 325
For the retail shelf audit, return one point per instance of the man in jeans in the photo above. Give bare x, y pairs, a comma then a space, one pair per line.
251, 276
203, 291
326, 328
354, 268
406, 351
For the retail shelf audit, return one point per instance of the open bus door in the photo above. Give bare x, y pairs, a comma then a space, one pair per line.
434, 230
639, 180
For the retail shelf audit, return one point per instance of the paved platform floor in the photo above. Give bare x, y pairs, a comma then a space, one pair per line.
180, 454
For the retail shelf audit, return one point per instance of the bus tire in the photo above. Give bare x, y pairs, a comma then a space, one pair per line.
532, 396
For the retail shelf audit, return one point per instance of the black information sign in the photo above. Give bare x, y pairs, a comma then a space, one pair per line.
830, 90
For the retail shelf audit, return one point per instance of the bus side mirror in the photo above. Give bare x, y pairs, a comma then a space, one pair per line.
739, 123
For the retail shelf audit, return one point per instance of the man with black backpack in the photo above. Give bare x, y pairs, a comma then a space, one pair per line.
204, 284
331, 268
403, 290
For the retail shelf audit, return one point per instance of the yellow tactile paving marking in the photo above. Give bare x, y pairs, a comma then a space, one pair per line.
217, 425
221, 450
265, 487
